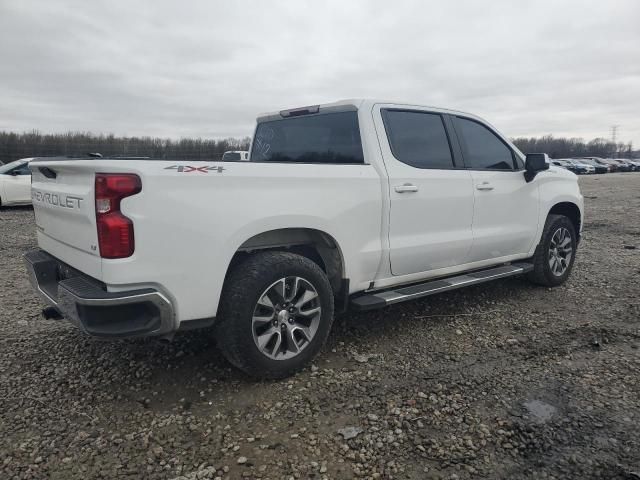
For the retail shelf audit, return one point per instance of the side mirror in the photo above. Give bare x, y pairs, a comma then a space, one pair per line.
534, 164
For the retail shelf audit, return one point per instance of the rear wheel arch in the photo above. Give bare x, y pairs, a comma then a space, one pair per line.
316, 245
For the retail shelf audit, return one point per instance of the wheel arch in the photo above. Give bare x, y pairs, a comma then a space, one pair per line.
316, 245
569, 210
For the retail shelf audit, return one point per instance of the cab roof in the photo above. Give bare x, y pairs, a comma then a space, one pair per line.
351, 104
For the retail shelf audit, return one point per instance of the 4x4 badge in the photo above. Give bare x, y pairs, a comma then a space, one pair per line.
189, 169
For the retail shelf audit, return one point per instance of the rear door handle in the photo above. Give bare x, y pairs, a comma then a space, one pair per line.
484, 186
407, 187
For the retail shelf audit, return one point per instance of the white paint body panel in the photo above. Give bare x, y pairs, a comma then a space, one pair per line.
505, 217
188, 226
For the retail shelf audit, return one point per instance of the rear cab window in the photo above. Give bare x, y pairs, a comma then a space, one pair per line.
326, 138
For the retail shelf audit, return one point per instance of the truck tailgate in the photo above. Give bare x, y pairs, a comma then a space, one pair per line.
63, 202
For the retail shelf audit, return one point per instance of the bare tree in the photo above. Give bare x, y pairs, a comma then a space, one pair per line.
558, 147
35, 144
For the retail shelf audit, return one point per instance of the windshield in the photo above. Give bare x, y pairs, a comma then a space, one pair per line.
324, 138
9, 166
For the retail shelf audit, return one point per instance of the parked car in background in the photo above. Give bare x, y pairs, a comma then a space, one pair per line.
631, 164
623, 166
586, 168
235, 156
577, 166
613, 165
635, 163
610, 167
15, 183
562, 164
600, 167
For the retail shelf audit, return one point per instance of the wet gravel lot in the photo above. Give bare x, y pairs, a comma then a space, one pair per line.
503, 380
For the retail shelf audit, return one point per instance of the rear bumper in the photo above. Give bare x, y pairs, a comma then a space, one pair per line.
87, 304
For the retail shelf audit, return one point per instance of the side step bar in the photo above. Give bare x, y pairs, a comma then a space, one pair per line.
370, 301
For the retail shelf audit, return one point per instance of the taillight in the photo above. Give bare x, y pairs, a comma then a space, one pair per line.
115, 231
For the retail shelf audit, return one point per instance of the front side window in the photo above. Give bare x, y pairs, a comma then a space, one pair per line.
418, 139
484, 150
326, 138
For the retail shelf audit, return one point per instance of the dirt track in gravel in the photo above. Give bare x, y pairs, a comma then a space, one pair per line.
503, 380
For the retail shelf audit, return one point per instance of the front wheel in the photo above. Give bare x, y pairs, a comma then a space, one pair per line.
275, 314
556, 252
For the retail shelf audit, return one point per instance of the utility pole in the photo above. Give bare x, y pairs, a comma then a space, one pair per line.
614, 138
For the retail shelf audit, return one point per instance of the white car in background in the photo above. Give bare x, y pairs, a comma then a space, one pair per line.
235, 156
15, 183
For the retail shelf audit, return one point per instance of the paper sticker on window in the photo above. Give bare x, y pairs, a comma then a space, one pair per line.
262, 147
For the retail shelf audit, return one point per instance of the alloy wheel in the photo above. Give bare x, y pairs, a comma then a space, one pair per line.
560, 251
286, 318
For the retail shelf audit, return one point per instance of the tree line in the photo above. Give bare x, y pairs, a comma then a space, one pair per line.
35, 144
558, 147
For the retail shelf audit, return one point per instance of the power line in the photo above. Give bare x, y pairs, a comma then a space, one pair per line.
614, 133
614, 138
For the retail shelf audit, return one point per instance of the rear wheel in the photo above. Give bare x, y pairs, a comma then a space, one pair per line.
275, 314
556, 252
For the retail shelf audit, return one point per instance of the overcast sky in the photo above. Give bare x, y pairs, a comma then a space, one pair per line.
207, 68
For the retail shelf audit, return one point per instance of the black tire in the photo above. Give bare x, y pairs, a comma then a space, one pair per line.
542, 273
243, 288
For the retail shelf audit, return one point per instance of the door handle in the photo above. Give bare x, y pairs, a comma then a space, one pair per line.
407, 187
484, 186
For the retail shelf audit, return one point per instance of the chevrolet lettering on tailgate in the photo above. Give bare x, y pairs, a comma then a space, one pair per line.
53, 199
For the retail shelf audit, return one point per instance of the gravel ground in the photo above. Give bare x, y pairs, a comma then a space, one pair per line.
503, 380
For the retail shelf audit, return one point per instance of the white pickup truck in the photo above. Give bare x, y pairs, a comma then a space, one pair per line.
357, 204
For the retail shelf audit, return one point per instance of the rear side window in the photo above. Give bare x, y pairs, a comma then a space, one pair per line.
484, 150
325, 138
418, 139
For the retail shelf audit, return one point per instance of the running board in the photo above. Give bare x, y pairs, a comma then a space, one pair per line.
370, 301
